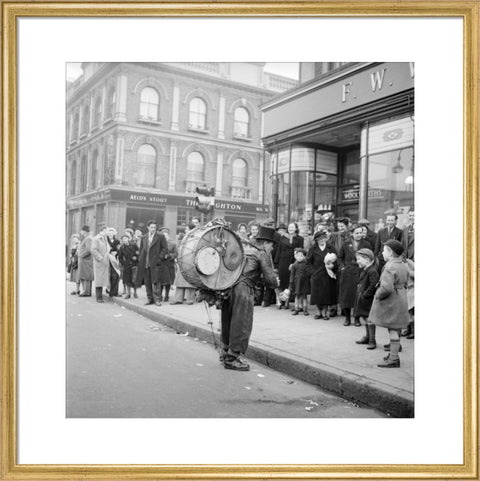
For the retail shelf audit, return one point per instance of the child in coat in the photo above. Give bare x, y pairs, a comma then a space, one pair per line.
366, 287
389, 308
300, 281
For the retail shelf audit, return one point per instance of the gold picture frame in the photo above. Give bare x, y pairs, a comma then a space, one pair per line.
467, 10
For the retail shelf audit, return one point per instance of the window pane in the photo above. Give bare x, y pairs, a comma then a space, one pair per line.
239, 172
197, 115
242, 119
390, 182
195, 166
149, 103
147, 160
351, 167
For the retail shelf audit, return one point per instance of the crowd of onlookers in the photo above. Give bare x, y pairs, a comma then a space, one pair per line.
338, 269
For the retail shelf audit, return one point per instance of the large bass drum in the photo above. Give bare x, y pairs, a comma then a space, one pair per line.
211, 257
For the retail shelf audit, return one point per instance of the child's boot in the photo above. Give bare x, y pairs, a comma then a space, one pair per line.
365, 338
372, 343
392, 360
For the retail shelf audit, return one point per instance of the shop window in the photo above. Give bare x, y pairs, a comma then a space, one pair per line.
241, 122
111, 99
197, 114
391, 182
351, 167
149, 104
97, 112
147, 166
182, 217
73, 178
83, 174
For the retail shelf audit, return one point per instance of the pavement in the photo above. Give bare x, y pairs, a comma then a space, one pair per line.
320, 352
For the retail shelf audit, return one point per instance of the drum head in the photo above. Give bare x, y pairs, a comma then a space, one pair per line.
207, 261
233, 257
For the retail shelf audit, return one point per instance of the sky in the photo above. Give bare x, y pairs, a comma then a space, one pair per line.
287, 69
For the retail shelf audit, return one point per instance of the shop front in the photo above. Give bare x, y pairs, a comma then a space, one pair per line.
344, 146
119, 207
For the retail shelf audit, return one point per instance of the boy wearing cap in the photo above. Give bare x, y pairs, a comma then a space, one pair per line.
389, 308
366, 287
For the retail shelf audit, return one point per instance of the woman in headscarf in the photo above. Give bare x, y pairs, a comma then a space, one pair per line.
323, 283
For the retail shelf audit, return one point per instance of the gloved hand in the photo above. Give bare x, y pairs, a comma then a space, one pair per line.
285, 295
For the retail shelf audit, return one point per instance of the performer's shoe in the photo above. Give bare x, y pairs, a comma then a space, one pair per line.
222, 355
84, 295
149, 303
235, 364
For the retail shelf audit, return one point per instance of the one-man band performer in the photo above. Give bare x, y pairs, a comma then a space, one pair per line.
237, 310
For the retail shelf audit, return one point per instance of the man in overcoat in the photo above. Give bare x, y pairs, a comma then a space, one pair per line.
152, 269
390, 232
237, 310
85, 261
101, 262
408, 237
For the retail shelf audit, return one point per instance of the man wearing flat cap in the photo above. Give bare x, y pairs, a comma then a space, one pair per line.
391, 231
237, 310
85, 261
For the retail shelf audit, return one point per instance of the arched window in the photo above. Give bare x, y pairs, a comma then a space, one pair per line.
198, 114
242, 120
73, 178
149, 103
240, 179
86, 119
195, 167
147, 165
74, 135
94, 171
111, 98
83, 174
97, 112
240, 174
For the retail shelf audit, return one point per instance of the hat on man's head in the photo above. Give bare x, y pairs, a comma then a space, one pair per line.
85, 228
319, 234
363, 222
282, 226
366, 253
266, 233
164, 229
269, 222
395, 245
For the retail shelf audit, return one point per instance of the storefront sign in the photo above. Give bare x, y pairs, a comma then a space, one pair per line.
143, 198
328, 97
89, 199
353, 194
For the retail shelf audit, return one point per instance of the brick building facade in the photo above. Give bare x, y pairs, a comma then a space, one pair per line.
142, 136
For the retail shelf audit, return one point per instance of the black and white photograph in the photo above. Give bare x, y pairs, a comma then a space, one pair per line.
240, 239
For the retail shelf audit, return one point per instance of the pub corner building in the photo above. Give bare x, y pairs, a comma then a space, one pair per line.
342, 143
141, 137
